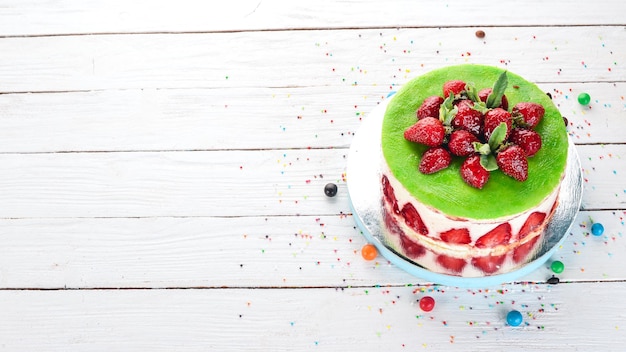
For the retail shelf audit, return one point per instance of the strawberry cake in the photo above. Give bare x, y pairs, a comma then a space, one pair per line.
473, 159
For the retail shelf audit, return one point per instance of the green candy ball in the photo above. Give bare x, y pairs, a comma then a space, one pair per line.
557, 266
584, 98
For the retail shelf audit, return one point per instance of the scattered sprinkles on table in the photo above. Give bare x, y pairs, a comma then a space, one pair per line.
332, 246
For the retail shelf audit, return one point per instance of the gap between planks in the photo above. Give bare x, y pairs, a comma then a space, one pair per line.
71, 91
200, 150
324, 287
303, 29
226, 216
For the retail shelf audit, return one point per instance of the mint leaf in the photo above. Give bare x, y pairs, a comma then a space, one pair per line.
482, 149
495, 98
472, 92
497, 136
451, 114
448, 102
447, 111
488, 162
480, 107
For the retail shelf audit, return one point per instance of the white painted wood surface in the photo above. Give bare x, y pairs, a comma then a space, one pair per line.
162, 166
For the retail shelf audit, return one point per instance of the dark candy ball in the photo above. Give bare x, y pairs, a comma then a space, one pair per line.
330, 190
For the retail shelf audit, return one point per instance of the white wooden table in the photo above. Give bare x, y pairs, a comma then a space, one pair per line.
162, 167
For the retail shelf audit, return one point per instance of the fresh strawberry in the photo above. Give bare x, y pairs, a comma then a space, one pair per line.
528, 140
512, 161
532, 113
452, 264
411, 249
428, 131
467, 118
456, 236
534, 221
434, 159
489, 264
461, 143
413, 219
473, 173
520, 253
430, 107
495, 117
390, 196
391, 223
484, 93
454, 87
501, 234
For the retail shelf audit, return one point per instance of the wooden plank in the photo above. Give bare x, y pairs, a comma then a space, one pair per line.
304, 58
246, 252
243, 118
556, 318
266, 182
67, 17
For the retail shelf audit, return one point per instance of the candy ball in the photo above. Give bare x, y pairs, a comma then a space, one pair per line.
514, 318
553, 280
557, 266
597, 229
427, 303
330, 190
584, 98
369, 252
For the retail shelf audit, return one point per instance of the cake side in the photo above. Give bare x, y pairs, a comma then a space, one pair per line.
457, 246
444, 190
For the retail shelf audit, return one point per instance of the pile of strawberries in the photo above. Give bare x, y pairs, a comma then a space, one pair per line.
476, 125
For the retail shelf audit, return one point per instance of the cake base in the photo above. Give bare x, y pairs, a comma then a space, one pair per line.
364, 171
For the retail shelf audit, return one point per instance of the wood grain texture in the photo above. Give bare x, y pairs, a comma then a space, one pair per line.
275, 118
219, 183
384, 57
378, 318
67, 17
300, 251
162, 166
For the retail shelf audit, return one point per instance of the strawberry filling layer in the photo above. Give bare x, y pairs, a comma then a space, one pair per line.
458, 246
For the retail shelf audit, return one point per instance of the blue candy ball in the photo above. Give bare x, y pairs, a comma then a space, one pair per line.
514, 318
597, 229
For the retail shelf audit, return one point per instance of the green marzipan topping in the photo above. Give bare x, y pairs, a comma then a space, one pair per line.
445, 190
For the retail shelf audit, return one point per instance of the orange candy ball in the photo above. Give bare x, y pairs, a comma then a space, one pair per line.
369, 252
